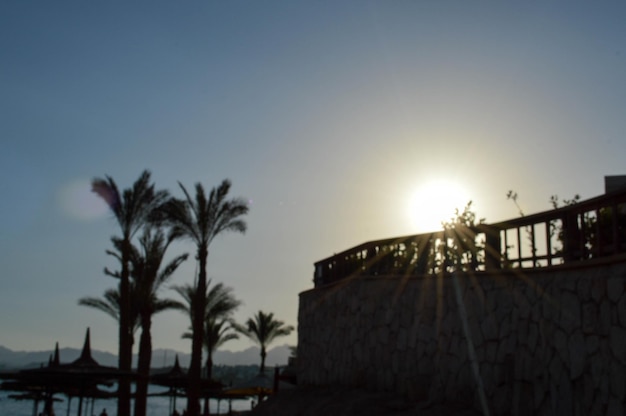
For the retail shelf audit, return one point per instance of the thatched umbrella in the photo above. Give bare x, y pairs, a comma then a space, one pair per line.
31, 389
78, 378
178, 382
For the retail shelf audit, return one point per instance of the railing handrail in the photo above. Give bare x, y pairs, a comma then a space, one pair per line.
575, 235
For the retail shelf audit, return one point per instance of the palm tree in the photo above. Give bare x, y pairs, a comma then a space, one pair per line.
201, 220
262, 329
148, 277
132, 209
220, 303
216, 333
109, 303
146, 280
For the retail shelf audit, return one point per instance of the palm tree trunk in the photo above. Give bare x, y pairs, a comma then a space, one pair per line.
125, 335
209, 369
209, 365
143, 366
206, 411
263, 355
195, 367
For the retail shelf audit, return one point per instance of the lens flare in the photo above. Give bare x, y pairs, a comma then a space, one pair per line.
79, 202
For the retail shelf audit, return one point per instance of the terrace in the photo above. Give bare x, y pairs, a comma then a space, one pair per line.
591, 229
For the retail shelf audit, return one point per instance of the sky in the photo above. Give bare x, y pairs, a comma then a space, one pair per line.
339, 123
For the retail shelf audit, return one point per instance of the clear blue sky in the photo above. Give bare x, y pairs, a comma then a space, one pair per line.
328, 116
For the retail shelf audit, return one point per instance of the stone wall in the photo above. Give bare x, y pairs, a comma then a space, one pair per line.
549, 342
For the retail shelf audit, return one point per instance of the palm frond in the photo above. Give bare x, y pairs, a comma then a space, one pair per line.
109, 303
263, 328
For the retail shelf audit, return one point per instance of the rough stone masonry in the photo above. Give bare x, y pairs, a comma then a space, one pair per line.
547, 342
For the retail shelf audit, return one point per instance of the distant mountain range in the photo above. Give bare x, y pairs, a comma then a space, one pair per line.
160, 358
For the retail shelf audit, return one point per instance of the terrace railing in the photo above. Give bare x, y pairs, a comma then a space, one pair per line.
586, 230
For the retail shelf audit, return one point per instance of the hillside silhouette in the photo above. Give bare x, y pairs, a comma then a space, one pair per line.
161, 357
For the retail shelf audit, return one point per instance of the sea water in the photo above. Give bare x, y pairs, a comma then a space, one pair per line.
157, 405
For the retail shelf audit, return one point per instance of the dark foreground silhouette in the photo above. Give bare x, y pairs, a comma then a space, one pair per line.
351, 402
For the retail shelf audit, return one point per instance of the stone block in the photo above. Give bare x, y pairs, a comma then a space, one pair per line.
383, 335
556, 367
407, 316
402, 339
604, 391
615, 407
505, 326
615, 288
523, 306
425, 366
546, 331
542, 358
524, 365
604, 324
394, 326
570, 312
597, 407
589, 318
548, 308
487, 375
489, 328
533, 336
560, 344
592, 344
577, 354
453, 346
565, 398
491, 351
505, 304
617, 376
567, 282
522, 331
539, 392
475, 331
480, 353
424, 333
412, 337
584, 289
395, 363
504, 349
501, 401
536, 310
621, 310
617, 340
584, 393
598, 289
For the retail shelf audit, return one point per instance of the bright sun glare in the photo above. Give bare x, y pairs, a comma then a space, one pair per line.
434, 202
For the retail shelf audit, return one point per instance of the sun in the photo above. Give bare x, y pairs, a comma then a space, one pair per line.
434, 202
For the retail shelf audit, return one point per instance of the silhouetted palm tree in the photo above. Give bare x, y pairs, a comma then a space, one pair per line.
132, 209
148, 277
262, 329
145, 282
201, 219
220, 303
216, 333
109, 303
